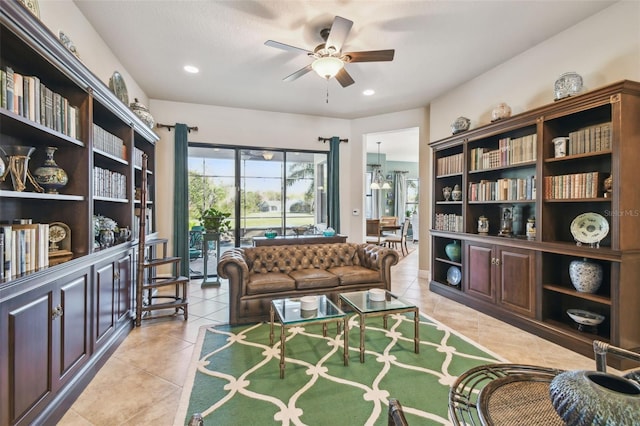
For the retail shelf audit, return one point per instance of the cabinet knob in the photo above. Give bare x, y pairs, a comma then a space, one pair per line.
493, 260
497, 261
57, 312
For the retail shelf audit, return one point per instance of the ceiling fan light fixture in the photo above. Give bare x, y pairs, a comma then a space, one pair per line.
327, 66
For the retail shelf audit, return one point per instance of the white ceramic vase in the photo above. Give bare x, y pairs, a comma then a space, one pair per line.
586, 276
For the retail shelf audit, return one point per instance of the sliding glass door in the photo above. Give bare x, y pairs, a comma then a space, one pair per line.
280, 190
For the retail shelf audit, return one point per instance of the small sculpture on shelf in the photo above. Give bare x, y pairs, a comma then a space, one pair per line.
568, 84
483, 225
460, 125
446, 192
18, 165
531, 228
502, 110
608, 186
506, 221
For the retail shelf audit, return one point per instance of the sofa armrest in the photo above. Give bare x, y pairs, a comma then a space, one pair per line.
233, 266
380, 258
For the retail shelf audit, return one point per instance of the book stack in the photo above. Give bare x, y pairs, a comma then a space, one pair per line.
108, 142
24, 247
137, 157
449, 222
449, 165
590, 139
576, 185
505, 189
28, 97
510, 151
110, 184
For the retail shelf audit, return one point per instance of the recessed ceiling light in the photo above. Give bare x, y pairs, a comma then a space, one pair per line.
191, 69
369, 92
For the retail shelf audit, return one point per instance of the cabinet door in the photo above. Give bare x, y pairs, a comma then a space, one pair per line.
515, 277
123, 287
26, 351
105, 291
479, 279
73, 324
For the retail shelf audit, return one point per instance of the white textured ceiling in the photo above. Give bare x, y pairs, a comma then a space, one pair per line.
438, 45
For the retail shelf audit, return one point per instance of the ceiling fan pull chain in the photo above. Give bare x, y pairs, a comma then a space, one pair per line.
327, 90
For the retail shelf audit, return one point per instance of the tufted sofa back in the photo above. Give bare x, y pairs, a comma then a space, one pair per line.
287, 258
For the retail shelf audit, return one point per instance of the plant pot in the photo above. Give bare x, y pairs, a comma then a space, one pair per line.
595, 398
453, 251
586, 276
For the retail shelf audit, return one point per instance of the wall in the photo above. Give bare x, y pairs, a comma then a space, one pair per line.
63, 15
603, 49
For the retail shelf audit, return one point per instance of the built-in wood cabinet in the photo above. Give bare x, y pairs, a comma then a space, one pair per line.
508, 172
60, 322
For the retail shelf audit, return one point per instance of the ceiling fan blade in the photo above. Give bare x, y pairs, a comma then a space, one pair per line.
371, 56
338, 33
298, 74
344, 78
283, 46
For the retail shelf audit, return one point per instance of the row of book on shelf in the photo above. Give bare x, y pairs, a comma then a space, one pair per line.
108, 142
505, 189
576, 185
449, 222
510, 151
590, 139
449, 165
107, 183
24, 247
28, 97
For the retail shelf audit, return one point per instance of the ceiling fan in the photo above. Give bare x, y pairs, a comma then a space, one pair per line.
328, 58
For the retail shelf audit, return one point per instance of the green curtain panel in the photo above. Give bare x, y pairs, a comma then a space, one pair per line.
181, 199
334, 184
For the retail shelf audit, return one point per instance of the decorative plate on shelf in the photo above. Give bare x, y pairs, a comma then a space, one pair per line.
454, 276
585, 317
118, 86
589, 228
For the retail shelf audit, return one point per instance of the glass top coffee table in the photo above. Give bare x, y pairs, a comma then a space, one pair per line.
289, 313
361, 303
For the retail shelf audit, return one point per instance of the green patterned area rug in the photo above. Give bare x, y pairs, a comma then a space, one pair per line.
234, 376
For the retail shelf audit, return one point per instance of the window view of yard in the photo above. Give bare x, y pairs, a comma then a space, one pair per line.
272, 190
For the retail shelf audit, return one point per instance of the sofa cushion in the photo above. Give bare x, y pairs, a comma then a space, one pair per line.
356, 274
272, 282
314, 278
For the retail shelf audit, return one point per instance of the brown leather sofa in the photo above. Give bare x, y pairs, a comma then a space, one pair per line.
257, 275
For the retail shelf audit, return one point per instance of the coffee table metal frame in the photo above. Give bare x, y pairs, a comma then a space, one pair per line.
288, 313
469, 395
361, 303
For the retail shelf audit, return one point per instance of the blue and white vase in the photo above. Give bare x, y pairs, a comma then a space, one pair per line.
586, 276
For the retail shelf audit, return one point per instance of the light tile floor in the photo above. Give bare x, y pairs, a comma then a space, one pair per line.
142, 381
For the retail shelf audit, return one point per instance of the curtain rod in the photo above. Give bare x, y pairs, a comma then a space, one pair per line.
325, 140
170, 126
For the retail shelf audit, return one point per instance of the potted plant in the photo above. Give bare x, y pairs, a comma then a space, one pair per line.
215, 221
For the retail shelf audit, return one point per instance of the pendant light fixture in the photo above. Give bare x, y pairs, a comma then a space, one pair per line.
378, 181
